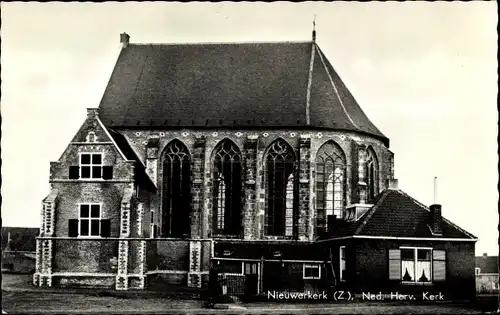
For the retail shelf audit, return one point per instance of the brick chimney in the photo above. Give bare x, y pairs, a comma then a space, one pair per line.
436, 220
124, 39
92, 112
331, 222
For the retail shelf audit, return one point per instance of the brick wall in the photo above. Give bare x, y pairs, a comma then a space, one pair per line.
84, 256
173, 255
371, 271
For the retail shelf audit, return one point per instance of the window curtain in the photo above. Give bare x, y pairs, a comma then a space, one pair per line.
423, 271
408, 270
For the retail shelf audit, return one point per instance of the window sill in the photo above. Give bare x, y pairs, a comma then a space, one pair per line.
417, 283
227, 236
90, 181
311, 278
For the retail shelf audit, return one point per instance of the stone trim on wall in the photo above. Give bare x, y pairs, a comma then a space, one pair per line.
44, 248
304, 187
194, 280
140, 218
249, 187
197, 189
361, 184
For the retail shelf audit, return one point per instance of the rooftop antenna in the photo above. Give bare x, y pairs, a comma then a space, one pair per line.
314, 28
435, 190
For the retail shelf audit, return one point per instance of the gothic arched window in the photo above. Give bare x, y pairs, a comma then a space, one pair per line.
281, 190
227, 189
330, 183
371, 173
176, 194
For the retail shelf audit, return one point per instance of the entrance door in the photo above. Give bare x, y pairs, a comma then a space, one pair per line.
275, 277
251, 278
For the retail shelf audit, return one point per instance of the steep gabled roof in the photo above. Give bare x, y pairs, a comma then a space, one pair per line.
245, 85
396, 214
487, 264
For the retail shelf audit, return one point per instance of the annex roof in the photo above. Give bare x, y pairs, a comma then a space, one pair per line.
396, 214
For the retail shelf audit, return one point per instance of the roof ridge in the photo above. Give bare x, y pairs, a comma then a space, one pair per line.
114, 132
443, 218
108, 134
370, 212
335, 88
309, 85
222, 43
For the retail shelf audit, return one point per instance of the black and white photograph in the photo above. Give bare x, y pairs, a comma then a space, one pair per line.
249, 157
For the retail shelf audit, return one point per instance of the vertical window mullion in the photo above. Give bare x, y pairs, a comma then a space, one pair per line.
229, 194
273, 207
170, 195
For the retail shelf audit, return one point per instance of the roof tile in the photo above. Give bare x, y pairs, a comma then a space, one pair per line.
233, 85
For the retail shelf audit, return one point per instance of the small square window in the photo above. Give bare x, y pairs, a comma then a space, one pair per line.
96, 171
85, 159
95, 211
96, 159
84, 227
311, 271
94, 227
91, 165
230, 266
424, 254
85, 171
84, 211
407, 254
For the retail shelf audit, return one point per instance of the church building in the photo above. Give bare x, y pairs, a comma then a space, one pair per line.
251, 158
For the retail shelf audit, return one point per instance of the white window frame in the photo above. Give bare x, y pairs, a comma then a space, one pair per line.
342, 271
477, 271
89, 218
431, 277
241, 273
311, 266
91, 165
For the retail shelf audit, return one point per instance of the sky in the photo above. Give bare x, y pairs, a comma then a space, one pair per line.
424, 72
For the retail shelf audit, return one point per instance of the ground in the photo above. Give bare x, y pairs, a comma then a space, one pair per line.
17, 299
